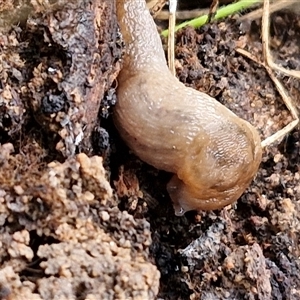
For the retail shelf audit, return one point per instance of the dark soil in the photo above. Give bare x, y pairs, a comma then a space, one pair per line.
73, 229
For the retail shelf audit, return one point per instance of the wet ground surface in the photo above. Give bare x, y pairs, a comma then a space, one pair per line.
74, 229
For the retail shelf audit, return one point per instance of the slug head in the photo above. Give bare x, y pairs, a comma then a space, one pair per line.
216, 174
186, 198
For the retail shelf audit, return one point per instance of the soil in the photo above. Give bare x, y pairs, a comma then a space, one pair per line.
83, 218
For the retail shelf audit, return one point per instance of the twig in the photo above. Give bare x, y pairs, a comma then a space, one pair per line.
276, 6
282, 91
171, 36
266, 48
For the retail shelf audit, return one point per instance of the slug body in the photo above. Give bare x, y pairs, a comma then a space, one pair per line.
212, 152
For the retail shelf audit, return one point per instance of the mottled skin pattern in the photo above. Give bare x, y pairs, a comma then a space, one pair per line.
212, 152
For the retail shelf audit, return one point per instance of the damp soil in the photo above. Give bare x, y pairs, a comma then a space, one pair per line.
83, 218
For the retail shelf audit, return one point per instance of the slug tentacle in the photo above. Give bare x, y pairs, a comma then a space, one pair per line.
212, 152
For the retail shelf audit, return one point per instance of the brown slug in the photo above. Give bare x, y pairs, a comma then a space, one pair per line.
213, 153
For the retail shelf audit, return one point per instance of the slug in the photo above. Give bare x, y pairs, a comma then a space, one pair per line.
213, 153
